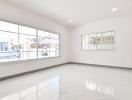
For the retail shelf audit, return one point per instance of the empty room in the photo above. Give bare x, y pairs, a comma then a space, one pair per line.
65, 49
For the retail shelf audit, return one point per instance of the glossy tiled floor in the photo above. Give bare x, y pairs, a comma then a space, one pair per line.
70, 82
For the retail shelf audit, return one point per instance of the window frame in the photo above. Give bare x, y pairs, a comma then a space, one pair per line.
33, 59
96, 49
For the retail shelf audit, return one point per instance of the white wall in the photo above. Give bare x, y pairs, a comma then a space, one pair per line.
122, 56
11, 13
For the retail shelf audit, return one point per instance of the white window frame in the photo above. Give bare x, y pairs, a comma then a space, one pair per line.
114, 43
25, 60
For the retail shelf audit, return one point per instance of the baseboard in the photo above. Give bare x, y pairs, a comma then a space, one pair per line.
29, 72
37, 70
98, 65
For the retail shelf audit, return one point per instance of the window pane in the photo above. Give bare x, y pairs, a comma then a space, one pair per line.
85, 42
108, 40
43, 34
112, 37
28, 55
43, 44
43, 54
54, 44
92, 41
54, 53
5, 26
43, 47
27, 30
28, 42
9, 47
54, 36
99, 40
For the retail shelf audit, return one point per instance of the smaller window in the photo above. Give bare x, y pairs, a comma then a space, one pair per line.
98, 41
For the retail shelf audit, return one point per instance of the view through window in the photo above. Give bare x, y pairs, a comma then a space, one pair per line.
21, 43
99, 41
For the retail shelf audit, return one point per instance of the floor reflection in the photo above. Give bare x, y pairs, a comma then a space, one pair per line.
47, 90
99, 88
70, 82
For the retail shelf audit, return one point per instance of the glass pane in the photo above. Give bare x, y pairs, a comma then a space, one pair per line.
85, 42
54, 44
28, 42
43, 34
108, 37
28, 55
5, 26
9, 47
43, 54
112, 37
54, 53
108, 40
92, 41
43, 44
54, 36
99, 40
103, 38
57, 52
27, 30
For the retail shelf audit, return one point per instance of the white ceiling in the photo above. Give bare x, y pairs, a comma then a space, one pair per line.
79, 11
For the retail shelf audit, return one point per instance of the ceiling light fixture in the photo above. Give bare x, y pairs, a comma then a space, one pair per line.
114, 9
69, 21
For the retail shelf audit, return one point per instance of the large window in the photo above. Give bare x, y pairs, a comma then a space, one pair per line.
99, 41
21, 43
